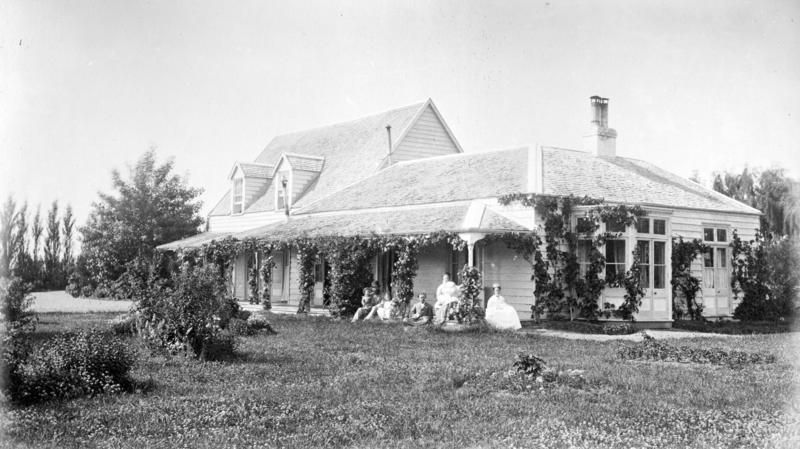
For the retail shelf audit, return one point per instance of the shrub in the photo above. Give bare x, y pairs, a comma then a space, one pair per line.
102, 291
87, 291
259, 323
767, 273
188, 313
529, 365
16, 303
73, 287
72, 365
238, 326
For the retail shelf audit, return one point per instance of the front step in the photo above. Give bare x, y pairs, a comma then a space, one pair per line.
283, 309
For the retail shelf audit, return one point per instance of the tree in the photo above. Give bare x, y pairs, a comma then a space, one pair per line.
151, 207
771, 192
52, 249
68, 222
8, 226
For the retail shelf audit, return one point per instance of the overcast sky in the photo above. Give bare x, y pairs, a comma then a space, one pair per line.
86, 86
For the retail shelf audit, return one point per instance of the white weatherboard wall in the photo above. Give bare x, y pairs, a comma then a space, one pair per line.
426, 138
513, 273
433, 262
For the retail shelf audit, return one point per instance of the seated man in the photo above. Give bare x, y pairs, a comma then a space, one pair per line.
421, 313
382, 310
368, 301
499, 314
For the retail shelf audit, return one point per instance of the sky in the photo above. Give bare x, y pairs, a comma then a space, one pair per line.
88, 86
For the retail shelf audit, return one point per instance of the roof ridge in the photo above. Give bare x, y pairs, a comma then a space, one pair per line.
453, 155
348, 122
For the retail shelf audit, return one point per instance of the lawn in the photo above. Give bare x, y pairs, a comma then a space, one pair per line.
321, 382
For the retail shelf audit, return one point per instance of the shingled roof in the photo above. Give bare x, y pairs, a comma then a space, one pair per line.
630, 181
352, 150
491, 174
407, 221
462, 176
252, 170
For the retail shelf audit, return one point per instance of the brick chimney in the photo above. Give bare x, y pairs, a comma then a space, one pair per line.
601, 140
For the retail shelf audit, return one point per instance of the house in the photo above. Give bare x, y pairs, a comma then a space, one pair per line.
403, 172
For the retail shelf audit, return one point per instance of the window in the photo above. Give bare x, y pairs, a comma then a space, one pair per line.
715, 235
615, 262
584, 251
281, 202
643, 226
659, 264
659, 227
238, 196
644, 262
615, 226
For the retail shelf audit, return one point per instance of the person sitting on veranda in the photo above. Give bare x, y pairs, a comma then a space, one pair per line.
383, 310
446, 298
421, 312
499, 314
368, 301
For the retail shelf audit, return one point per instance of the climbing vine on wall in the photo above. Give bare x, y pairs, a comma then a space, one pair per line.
633, 288
683, 283
559, 283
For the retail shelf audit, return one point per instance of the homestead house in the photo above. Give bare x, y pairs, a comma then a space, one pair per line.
403, 172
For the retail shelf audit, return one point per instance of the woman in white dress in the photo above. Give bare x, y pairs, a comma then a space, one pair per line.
446, 295
499, 314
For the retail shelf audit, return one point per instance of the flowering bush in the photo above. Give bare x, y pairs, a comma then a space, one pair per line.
71, 365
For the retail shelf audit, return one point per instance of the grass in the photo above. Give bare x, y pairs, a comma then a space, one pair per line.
321, 382
735, 327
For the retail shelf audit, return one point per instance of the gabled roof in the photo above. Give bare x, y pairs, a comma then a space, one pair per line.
351, 150
304, 162
253, 170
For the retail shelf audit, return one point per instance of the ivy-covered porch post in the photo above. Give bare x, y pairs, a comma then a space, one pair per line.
267, 259
471, 238
404, 270
306, 257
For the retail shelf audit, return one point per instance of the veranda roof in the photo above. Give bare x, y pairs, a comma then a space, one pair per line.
450, 218
194, 241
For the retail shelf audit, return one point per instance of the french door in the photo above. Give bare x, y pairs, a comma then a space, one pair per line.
653, 279
716, 282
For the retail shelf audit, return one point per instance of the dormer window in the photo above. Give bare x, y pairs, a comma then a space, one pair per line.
281, 203
237, 207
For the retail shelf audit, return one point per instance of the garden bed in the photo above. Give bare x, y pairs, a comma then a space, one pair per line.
735, 327
587, 327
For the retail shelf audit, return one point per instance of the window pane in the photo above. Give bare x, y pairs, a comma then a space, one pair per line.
721, 259
643, 226
615, 226
584, 247
615, 251
644, 251
584, 225
660, 227
708, 259
708, 234
722, 235
659, 272
659, 252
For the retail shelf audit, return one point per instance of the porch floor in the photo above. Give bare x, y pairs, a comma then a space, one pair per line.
283, 309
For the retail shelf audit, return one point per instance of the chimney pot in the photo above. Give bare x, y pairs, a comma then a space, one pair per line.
601, 140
